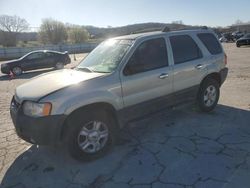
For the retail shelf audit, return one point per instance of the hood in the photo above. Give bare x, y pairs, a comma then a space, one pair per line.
47, 83
11, 61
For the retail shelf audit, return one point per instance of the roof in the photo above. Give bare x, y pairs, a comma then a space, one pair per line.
141, 35
46, 51
134, 36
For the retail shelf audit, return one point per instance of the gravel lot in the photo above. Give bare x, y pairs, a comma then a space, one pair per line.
182, 149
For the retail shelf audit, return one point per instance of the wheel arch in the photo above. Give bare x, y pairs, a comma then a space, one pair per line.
215, 75
104, 106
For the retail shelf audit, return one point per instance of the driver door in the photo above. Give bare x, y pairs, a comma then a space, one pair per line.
34, 61
147, 79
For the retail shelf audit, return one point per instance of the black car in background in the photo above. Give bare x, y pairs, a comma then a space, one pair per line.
245, 40
238, 34
36, 60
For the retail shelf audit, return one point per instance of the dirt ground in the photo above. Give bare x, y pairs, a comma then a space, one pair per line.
184, 149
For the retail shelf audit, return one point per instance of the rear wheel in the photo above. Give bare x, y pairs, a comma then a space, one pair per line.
208, 95
90, 135
59, 65
17, 71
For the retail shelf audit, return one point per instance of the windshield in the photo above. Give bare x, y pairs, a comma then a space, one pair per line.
105, 57
24, 56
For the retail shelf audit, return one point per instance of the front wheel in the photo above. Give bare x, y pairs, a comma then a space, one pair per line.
17, 71
208, 95
90, 135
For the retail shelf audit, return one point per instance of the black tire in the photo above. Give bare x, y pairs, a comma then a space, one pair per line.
75, 125
17, 71
238, 45
59, 65
203, 104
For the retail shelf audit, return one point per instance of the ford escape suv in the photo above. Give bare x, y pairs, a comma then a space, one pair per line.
120, 80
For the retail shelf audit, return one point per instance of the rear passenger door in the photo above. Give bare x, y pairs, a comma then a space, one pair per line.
147, 78
189, 68
50, 60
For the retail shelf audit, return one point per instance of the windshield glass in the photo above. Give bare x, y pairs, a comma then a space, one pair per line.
26, 55
105, 57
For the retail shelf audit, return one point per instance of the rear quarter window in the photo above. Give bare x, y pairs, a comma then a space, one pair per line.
211, 43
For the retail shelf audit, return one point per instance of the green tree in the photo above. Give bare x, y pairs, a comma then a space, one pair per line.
52, 31
77, 34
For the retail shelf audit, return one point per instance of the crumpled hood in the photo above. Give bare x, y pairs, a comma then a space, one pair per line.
47, 83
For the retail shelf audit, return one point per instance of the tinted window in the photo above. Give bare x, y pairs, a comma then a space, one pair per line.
49, 54
184, 49
211, 43
150, 55
36, 55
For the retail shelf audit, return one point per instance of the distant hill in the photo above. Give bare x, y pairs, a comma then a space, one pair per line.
100, 33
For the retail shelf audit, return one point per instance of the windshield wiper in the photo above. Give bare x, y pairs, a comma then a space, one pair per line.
85, 69
100, 71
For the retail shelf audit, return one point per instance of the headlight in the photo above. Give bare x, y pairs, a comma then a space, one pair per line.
36, 109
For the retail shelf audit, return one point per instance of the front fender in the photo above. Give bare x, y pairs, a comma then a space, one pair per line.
91, 98
71, 98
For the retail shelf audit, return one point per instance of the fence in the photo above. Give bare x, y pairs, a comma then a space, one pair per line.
10, 53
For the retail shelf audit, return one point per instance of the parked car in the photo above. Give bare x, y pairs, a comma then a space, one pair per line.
237, 35
227, 37
223, 39
36, 60
122, 79
245, 40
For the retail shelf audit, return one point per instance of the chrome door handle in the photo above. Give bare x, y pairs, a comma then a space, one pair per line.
199, 66
163, 75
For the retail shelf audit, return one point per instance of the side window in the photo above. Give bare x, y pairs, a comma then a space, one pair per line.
150, 55
49, 54
211, 43
36, 55
184, 49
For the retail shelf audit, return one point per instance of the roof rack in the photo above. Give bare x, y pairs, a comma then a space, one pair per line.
167, 29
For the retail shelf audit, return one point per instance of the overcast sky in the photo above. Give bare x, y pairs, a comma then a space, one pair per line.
124, 12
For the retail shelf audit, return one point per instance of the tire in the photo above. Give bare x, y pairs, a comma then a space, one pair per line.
83, 139
238, 45
17, 71
208, 95
59, 65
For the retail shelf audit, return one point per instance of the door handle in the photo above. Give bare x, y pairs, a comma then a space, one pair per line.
199, 66
163, 75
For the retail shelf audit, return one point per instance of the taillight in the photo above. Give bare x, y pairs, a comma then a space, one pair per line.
225, 58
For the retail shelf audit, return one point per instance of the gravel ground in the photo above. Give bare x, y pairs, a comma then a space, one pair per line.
182, 149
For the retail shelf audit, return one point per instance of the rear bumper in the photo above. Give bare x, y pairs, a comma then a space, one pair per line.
223, 75
37, 130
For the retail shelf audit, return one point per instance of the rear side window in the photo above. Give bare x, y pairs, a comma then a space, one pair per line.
184, 49
49, 54
211, 43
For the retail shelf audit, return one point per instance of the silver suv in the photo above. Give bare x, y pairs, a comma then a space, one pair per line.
122, 79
